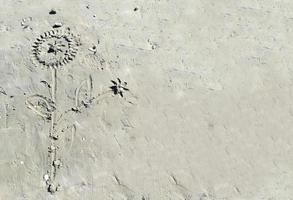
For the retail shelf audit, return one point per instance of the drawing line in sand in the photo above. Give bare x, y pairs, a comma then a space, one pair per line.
53, 49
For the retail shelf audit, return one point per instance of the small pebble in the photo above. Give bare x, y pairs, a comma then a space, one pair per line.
52, 12
52, 188
57, 25
57, 163
52, 148
93, 49
46, 177
55, 137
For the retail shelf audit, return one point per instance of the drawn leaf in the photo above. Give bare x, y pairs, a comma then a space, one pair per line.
83, 94
41, 105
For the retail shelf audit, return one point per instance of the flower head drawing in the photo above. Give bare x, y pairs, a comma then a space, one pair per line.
119, 87
55, 48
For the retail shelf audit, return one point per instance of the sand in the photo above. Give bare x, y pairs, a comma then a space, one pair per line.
146, 100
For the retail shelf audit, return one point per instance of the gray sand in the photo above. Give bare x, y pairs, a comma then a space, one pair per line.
208, 114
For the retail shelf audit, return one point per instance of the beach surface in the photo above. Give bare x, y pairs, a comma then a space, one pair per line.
146, 100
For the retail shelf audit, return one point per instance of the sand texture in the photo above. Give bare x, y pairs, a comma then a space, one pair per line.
146, 100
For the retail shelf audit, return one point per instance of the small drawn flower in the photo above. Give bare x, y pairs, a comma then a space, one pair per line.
119, 87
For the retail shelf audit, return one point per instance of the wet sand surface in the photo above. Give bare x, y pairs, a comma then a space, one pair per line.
146, 100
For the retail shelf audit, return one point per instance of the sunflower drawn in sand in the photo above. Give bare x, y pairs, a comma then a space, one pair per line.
52, 49
55, 48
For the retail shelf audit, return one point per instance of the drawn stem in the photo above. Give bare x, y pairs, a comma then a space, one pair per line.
53, 92
54, 83
53, 117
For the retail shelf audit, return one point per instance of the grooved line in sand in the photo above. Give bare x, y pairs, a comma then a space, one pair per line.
53, 136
